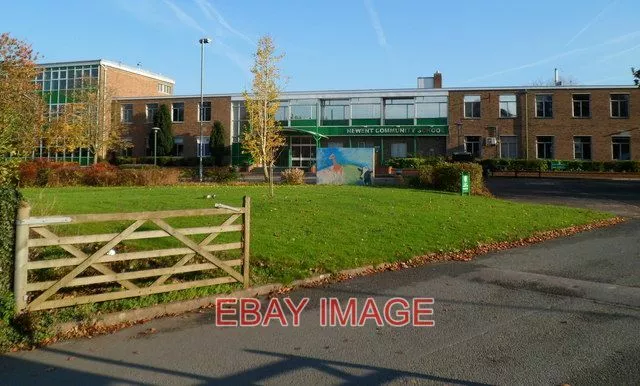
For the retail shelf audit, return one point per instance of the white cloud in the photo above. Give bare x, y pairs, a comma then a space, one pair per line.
212, 13
590, 23
375, 23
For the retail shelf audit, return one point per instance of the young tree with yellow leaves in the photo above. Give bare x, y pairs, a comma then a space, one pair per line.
21, 106
263, 137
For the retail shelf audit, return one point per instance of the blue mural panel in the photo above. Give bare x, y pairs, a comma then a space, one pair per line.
345, 166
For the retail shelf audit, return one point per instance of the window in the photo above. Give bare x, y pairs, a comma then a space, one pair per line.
334, 144
544, 106
365, 108
544, 147
204, 147
581, 105
178, 147
303, 109
509, 147
621, 148
164, 88
582, 148
508, 107
402, 109
335, 111
126, 113
282, 114
620, 105
399, 150
472, 145
239, 120
432, 107
204, 112
177, 112
151, 110
472, 106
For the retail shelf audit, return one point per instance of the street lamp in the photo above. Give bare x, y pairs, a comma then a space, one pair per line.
155, 144
202, 41
459, 125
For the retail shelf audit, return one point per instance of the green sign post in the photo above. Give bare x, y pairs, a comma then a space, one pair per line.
465, 184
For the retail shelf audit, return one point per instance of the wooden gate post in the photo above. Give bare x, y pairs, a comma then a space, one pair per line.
21, 257
246, 240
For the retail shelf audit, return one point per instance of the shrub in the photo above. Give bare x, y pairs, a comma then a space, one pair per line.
447, 177
100, 174
9, 172
220, 174
293, 176
425, 175
149, 176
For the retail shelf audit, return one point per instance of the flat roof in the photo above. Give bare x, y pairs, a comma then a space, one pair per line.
109, 63
401, 92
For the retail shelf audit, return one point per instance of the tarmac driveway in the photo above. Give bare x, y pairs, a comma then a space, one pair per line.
621, 197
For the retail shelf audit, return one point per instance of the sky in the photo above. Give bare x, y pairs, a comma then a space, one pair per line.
341, 44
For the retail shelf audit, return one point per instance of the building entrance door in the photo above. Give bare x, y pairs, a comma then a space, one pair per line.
303, 151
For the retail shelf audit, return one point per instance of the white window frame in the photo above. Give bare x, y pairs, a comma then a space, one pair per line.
590, 147
553, 143
172, 110
210, 111
478, 142
513, 102
149, 117
613, 155
611, 101
205, 145
543, 110
581, 102
515, 143
472, 99
126, 113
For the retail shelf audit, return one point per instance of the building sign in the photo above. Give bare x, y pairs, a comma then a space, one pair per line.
383, 130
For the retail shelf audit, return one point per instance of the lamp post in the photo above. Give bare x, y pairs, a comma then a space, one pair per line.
459, 125
202, 41
155, 144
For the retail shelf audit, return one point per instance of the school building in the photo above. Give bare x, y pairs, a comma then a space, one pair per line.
600, 123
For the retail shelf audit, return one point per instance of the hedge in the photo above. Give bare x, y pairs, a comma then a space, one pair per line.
572, 165
165, 161
43, 173
414, 162
9, 202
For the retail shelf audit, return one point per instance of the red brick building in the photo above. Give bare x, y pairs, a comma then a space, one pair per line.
600, 123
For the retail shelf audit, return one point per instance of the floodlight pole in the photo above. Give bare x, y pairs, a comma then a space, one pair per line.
155, 144
202, 41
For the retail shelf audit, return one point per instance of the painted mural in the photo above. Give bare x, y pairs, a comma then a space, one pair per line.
345, 166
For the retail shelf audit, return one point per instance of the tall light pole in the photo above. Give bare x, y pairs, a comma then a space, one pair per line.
202, 41
155, 144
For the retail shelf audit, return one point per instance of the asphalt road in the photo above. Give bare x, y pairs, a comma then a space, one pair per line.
566, 311
621, 197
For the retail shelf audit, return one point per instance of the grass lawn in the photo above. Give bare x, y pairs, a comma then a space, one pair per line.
303, 231
311, 229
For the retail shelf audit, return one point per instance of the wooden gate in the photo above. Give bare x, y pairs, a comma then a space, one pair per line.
94, 268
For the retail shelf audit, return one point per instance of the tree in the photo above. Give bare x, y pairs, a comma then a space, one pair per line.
21, 107
216, 143
90, 119
564, 81
263, 137
162, 119
636, 76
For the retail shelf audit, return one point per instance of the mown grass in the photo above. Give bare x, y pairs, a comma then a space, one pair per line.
310, 229
306, 230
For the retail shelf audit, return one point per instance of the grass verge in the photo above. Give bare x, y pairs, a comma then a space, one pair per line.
305, 231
